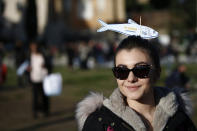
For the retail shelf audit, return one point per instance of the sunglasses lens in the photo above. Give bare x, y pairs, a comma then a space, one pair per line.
141, 71
121, 72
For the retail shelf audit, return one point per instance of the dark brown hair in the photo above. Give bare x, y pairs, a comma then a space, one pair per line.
132, 42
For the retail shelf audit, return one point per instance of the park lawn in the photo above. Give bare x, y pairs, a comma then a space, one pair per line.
76, 85
102, 80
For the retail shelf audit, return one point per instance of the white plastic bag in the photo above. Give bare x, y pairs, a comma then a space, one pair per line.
53, 84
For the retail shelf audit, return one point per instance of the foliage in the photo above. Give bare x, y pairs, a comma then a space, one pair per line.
160, 4
183, 12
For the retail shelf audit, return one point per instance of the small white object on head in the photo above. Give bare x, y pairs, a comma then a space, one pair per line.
131, 28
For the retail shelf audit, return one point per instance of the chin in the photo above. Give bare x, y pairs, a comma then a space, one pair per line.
133, 96
136, 95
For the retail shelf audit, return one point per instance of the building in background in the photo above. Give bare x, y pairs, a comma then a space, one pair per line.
34, 16
83, 14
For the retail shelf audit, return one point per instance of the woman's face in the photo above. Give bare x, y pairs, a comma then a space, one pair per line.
133, 88
33, 47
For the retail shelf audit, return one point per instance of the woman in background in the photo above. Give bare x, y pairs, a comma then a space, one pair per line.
38, 71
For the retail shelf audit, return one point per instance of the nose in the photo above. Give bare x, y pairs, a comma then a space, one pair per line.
132, 78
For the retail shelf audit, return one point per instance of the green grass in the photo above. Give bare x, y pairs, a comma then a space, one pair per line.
101, 80
81, 82
11, 78
78, 83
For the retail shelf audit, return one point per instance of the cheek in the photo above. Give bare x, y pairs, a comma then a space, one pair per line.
145, 81
120, 82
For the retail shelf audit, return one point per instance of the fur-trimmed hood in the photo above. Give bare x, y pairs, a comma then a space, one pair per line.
168, 102
87, 106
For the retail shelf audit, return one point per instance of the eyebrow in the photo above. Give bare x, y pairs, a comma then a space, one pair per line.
122, 65
139, 63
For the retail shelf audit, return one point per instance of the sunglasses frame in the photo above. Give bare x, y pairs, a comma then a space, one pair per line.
133, 70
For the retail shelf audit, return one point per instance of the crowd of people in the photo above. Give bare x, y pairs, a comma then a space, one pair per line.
81, 54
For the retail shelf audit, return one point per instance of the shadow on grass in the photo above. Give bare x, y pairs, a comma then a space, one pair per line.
62, 112
51, 122
45, 124
9, 88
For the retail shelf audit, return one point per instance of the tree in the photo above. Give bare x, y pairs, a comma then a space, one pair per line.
160, 4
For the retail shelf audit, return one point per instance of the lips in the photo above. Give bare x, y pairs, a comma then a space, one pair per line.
132, 88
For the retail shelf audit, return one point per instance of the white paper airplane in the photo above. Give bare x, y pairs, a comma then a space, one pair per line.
130, 28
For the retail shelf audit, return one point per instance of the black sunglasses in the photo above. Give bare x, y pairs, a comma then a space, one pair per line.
140, 71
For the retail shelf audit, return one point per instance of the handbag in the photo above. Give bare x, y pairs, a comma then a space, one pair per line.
52, 84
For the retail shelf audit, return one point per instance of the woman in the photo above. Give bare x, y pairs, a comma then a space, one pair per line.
38, 71
136, 104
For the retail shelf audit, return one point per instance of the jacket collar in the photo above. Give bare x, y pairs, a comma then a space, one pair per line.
167, 104
166, 107
117, 105
87, 106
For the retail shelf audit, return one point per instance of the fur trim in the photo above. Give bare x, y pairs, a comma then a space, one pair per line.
117, 105
87, 106
166, 107
184, 100
167, 103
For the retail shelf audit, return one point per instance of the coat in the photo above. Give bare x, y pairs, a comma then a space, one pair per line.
96, 113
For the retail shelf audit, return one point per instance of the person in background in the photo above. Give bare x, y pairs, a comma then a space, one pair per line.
3, 72
178, 78
20, 58
38, 71
137, 104
3, 67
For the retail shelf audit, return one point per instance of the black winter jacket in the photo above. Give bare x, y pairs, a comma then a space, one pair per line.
95, 113
105, 120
